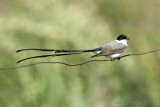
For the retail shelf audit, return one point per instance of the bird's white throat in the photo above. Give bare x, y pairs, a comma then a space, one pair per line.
123, 41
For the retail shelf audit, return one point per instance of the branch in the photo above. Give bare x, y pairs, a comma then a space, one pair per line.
79, 63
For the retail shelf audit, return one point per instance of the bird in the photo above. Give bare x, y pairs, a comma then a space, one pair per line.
113, 49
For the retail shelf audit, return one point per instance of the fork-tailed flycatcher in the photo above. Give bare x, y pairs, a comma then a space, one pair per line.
112, 50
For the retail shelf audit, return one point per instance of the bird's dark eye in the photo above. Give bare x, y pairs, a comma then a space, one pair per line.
121, 37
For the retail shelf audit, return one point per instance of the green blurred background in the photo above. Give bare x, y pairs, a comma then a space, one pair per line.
79, 24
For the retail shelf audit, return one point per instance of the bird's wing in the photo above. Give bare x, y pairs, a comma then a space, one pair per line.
111, 48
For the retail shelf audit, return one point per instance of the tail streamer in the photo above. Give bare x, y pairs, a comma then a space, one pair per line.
79, 63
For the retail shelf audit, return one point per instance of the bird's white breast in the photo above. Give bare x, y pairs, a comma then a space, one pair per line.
123, 41
115, 55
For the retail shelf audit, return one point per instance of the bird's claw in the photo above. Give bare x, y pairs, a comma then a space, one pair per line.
116, 58
119, 58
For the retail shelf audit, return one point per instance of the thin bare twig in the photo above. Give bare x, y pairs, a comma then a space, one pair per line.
79, 63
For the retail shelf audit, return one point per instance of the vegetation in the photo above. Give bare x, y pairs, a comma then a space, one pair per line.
79, 24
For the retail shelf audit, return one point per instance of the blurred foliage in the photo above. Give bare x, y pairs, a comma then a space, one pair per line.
79, 24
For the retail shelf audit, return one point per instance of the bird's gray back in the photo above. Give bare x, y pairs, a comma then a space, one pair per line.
112, 48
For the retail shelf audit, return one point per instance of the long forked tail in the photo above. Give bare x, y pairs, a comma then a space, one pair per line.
61, 51
42, 56
35, 49
90, 50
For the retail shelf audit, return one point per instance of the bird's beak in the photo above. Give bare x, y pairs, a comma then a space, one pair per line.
127, 38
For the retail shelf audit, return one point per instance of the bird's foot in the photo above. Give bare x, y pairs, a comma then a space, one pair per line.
119, 58
112, 59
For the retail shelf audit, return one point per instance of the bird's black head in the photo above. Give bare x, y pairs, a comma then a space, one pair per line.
122, 37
